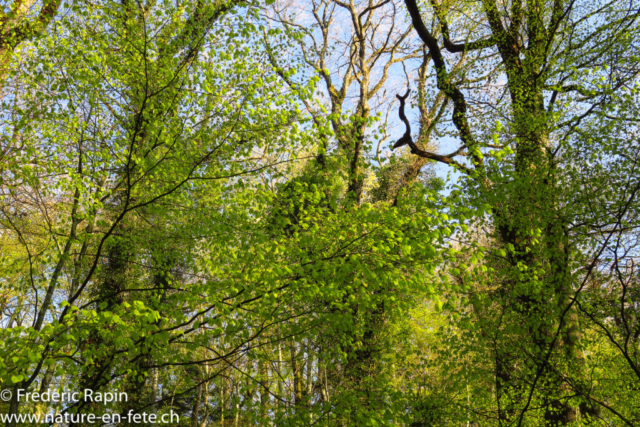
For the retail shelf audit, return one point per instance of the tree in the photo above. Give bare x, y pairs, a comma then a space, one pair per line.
102, 149
20, 24
562, 67
151, 173
198, 209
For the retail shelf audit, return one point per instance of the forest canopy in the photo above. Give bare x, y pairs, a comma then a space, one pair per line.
320, 213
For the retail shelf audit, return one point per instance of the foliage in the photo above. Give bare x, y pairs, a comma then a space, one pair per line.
197, 210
